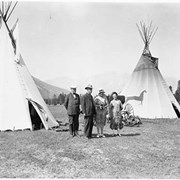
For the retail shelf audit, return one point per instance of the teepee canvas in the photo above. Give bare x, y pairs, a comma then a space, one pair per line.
147, 90
20, 98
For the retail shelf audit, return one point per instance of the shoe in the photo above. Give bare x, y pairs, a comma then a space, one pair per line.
98, 136
103, 136
76, 134
71, 135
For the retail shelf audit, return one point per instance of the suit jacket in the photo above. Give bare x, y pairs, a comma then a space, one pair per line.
72, 104
87, 105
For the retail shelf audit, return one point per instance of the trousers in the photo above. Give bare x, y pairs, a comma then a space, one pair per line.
88, 126
73, 124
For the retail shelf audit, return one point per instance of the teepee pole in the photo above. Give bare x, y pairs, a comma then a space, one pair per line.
14, 26
153, 34
3, 8
149, 30
1, 13
10, 34
140, 33
11, 11
9, 5
145, 36
142, 27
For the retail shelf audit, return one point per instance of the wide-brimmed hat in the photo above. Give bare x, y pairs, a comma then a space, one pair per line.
101, 91
89, 86
73, 87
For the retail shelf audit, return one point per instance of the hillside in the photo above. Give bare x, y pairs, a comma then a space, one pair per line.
110, 81
48, 90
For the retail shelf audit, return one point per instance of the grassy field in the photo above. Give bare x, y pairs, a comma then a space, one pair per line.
151, 150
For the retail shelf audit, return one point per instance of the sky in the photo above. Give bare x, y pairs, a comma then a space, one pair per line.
83, 39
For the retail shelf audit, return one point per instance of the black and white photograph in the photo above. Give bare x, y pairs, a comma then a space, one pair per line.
90, 89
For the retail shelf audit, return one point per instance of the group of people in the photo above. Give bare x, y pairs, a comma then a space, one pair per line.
95, 110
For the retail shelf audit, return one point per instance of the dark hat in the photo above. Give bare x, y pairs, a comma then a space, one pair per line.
101, 91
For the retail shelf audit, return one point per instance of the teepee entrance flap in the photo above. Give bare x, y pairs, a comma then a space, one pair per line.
18, 89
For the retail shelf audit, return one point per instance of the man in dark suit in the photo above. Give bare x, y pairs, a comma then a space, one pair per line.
88, 109
72, 103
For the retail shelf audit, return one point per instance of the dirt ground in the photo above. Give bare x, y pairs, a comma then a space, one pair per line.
151, 150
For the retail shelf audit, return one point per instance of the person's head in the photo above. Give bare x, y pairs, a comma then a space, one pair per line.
114, 95
89, 88
101, 92
73, 89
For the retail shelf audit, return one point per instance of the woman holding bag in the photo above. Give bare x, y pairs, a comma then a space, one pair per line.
102, 108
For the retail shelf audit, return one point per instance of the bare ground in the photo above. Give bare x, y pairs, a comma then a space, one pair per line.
151, 150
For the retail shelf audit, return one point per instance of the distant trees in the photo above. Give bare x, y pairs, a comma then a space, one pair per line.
54, 100
61, 98
46, 101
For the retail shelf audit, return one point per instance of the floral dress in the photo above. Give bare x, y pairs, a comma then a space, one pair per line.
115, 114
101, 104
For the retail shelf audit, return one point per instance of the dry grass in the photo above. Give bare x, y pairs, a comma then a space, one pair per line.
149, 151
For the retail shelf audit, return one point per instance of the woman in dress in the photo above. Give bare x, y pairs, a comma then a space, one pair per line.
102, 108
115, 108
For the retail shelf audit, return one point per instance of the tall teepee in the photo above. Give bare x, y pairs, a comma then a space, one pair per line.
147, 90
21, 104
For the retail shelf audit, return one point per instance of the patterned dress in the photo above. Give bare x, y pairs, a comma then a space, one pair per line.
115, 114
101, 104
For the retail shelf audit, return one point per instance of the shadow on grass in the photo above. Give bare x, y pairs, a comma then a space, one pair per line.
61, 130
131, 134
94, 136
115, 135
107, 136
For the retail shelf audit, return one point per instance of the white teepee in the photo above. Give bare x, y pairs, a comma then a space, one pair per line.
147, 90
19, 94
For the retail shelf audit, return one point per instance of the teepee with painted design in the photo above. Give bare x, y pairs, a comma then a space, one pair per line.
146, 89
21, 105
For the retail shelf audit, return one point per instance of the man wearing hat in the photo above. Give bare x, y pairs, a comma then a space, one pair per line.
72, 103
88, 109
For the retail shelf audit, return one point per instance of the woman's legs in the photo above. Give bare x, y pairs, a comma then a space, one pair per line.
98, 131
118, 130
102, 131
113, 132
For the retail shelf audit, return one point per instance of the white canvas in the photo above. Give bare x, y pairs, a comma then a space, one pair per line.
17, 88
13, 112
148, 92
